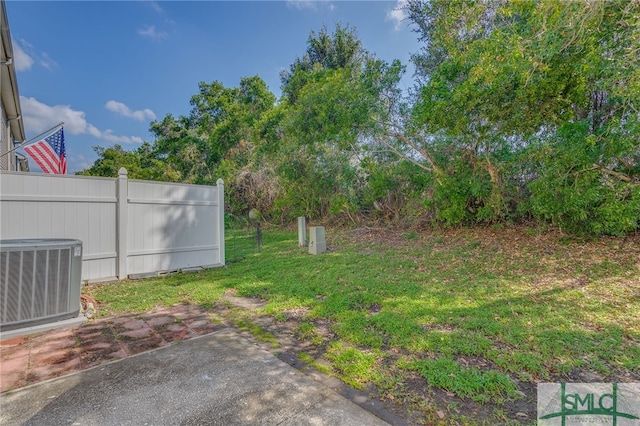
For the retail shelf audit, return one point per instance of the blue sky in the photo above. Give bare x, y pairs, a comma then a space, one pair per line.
107, 69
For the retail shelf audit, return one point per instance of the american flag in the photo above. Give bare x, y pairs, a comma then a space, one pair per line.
49, 153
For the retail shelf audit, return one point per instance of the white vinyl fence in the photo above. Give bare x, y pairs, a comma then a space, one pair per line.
127, 227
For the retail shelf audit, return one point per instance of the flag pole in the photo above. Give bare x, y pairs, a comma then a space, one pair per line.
33, 138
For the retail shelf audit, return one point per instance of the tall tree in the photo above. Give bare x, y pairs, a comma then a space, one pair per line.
331, 98
219, 127
505, 78
226, 116
140, 163
185, 155
339, 50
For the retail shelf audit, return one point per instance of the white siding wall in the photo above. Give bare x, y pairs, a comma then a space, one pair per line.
5, 141
168, 226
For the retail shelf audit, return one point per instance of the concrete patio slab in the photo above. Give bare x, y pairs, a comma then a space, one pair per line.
217, 379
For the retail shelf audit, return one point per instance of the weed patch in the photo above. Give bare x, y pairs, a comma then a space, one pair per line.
481, 386
354, 366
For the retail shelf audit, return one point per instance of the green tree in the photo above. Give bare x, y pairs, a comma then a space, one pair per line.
140, 163
226, 117
220, 126
504, 88
218, 140
332, 99
185, 155
339, 50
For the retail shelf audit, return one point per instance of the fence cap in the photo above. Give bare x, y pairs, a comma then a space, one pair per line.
122, 172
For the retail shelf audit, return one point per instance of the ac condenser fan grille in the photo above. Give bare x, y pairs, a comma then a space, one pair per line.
39, 282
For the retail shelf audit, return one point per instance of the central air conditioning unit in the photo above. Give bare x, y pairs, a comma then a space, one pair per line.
40, 281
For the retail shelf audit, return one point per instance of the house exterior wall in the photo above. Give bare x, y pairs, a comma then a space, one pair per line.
12, 127
5, 142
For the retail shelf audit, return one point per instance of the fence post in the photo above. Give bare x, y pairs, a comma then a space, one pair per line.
220, 183
302, 232
122, 194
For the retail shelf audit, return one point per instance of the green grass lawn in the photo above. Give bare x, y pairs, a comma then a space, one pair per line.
450, 327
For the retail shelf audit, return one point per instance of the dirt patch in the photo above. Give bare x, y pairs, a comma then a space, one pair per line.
513, 241
243, 302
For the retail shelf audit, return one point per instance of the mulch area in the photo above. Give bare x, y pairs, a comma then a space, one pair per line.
31, 359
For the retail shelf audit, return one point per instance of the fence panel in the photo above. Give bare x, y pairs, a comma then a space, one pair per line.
52, 206
171, 226
127, 227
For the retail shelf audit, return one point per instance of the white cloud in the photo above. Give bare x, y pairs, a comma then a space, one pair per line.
78, 162
398, 14
25, 55
21, 60
150, 31
301, 4
109, 136
46, 61
155, 6
39, 117
313, 5
122, 109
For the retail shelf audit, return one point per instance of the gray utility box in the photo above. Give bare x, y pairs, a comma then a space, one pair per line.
317, 243
40, 281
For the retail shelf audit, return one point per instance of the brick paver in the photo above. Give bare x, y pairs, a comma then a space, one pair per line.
38, 357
